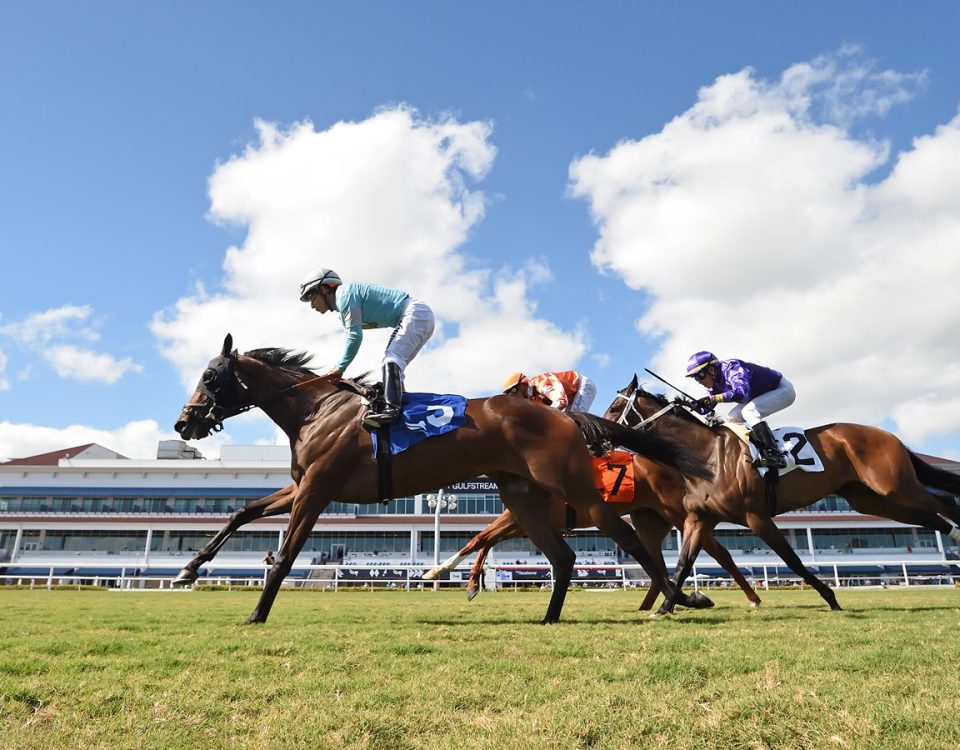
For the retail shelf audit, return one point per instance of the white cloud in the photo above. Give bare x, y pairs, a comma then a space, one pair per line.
757, 233
136, 439
387, 200
86, 366
38, 331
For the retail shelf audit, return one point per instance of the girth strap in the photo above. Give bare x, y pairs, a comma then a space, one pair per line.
384, 465
772, 488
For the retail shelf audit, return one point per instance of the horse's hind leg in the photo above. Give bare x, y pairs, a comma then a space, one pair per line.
272, 505
766, 529
896, 482
867, 501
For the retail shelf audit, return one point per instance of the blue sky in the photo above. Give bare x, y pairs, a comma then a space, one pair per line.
135, 144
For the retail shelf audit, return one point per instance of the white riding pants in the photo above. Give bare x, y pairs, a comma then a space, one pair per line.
761, 407
412, 332
586, 392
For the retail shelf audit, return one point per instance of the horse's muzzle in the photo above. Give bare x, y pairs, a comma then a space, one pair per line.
193, 426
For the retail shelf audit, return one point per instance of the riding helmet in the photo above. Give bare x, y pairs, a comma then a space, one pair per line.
323, 277
700, 360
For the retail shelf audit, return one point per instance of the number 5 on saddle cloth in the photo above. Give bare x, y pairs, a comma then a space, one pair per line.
422, 415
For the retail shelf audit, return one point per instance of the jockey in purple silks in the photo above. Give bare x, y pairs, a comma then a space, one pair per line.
758, 392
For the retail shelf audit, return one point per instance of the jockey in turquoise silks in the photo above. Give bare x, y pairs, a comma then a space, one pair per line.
758, 392
371, 306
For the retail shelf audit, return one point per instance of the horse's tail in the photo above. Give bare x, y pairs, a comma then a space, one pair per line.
596, 429
934, 477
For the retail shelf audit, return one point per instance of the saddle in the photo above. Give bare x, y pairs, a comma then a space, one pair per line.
796, 449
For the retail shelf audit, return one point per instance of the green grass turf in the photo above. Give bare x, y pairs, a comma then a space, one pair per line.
396, 670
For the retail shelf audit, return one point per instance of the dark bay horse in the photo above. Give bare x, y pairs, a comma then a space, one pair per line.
531, 453
867, 466
657, 507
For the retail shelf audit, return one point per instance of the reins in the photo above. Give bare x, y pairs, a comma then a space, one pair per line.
647, 421
632, 406
219, 413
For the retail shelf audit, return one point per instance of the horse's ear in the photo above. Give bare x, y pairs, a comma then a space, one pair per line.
227, 345
633, 384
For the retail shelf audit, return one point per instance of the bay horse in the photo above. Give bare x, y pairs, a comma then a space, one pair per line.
869, 467
656, 507
531, 453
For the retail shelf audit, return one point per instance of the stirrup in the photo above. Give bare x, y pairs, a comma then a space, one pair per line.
388, 416
771, 461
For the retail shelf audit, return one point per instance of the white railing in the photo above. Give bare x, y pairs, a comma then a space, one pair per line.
500, 576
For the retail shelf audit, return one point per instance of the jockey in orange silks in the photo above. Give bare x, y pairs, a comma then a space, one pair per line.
567, 391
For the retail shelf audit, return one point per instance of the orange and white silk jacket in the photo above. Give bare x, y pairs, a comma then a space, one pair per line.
555, 389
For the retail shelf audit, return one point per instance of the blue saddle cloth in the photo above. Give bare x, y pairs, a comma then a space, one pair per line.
424, 415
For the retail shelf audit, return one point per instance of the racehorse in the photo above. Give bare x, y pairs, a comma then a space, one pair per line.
656, 507
867, 466
531, 453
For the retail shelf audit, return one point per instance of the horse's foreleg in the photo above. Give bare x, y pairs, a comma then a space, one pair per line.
719, 553
693, 528
766, 529
651, 528
276, 504
531, 510
303, 516
616, 528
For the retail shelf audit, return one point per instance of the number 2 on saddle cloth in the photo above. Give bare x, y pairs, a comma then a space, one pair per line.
613, 476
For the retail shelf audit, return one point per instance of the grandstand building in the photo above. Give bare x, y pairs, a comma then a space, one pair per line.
92, 512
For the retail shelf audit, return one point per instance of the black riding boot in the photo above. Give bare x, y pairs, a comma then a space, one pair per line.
392, 395
770, 455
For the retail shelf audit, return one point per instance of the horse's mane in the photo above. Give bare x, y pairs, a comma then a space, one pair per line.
285, 358
298, 361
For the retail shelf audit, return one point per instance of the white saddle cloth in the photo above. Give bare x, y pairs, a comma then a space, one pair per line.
792, 442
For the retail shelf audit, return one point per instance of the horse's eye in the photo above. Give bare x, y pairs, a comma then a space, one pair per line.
209, 376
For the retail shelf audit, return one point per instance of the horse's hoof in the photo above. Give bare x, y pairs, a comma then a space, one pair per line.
548, 621
252, 621
472, 591
755, 605
185, 577
696, 600
658, 615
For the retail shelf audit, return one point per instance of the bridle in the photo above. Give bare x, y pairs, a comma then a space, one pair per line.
224, 401
631, 407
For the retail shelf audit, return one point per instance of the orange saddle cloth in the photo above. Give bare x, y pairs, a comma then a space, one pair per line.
613, 476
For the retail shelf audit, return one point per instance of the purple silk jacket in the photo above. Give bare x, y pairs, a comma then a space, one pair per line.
741, 381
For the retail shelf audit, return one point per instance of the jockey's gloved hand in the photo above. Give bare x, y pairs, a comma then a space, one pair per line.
704, 405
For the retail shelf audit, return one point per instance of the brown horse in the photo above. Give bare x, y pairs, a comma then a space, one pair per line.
867, 466
530, 452
657, 507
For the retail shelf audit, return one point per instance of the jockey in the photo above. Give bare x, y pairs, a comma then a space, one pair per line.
567, 391
371, 306
758, 392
